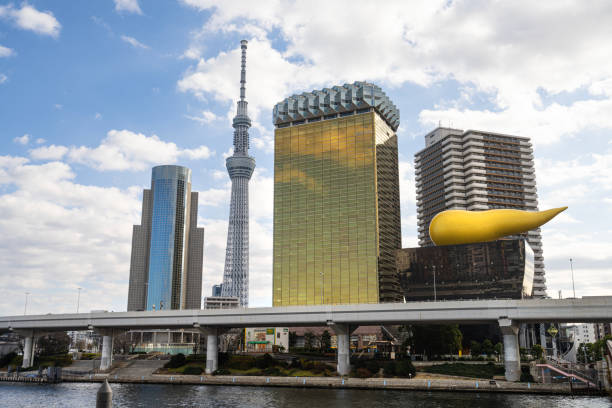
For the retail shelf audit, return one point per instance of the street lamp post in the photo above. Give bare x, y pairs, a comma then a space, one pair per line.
322, 285
434, 278
572, 268
25, 307
78, 299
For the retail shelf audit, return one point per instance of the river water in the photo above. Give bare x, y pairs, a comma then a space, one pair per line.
149, 396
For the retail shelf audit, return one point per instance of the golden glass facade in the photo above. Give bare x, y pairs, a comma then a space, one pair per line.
336, 212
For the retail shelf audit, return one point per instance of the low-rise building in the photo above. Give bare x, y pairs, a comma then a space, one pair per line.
221, 302
266, 339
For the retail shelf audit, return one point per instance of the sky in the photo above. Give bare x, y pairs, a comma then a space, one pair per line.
94, 94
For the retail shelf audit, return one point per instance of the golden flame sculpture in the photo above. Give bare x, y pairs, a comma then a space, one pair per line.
454, 227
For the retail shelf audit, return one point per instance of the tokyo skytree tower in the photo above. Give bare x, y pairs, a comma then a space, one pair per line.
240, 167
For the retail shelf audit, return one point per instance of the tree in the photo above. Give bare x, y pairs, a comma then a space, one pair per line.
81, 345
54, 343
599, 347
475, 348
436, 339
309, 340
325, 341
176, 361
537, 351
292, 338
121, 343
585, 353
487, 347
499, 349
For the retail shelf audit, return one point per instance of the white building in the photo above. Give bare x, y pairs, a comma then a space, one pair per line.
582, 333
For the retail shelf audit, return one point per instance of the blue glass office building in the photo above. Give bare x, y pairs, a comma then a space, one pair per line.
167, 249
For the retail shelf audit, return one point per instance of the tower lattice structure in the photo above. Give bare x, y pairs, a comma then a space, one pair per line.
240, 167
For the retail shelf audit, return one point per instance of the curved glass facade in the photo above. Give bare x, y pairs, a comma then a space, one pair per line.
171, 189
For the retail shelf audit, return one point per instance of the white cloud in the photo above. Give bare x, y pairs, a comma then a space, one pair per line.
134, 42
40, 140
510, 62
128, 6
6, 52
28, 18
126, 150
407, 184
58, 106
206, 117
269, 76
98, 116
24, 140
80, 236
52, 152
3, 78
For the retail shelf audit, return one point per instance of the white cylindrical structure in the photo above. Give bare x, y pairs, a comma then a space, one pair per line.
107, 353
211, 351
28, 352
342, 339
512, 358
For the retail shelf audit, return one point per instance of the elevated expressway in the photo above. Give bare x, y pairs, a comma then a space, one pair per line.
344, 319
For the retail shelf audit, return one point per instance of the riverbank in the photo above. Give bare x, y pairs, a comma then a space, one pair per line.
455, 385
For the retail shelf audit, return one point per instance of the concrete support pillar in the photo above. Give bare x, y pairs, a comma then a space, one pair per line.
342, 340
512, 358
211, 334
107, 351
28, 352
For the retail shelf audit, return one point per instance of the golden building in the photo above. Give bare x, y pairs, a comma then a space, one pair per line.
336, 197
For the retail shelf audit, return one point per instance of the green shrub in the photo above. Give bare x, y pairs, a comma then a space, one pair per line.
7, 358
221, 371
526, 375
59, 360
176, 361
296, 363
362, 373
372, 365
467, 370
273, 371
266, 361
390, 369
192, 370
196, 357
240, 362
404, 368
93, 356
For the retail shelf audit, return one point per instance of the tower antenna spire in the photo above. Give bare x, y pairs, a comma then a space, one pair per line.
243, 46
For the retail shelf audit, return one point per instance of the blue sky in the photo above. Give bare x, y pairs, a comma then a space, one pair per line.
93, 94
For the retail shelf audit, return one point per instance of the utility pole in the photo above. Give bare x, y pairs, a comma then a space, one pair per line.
322, 284
78, 299
25, 307
573, 287
434, 278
